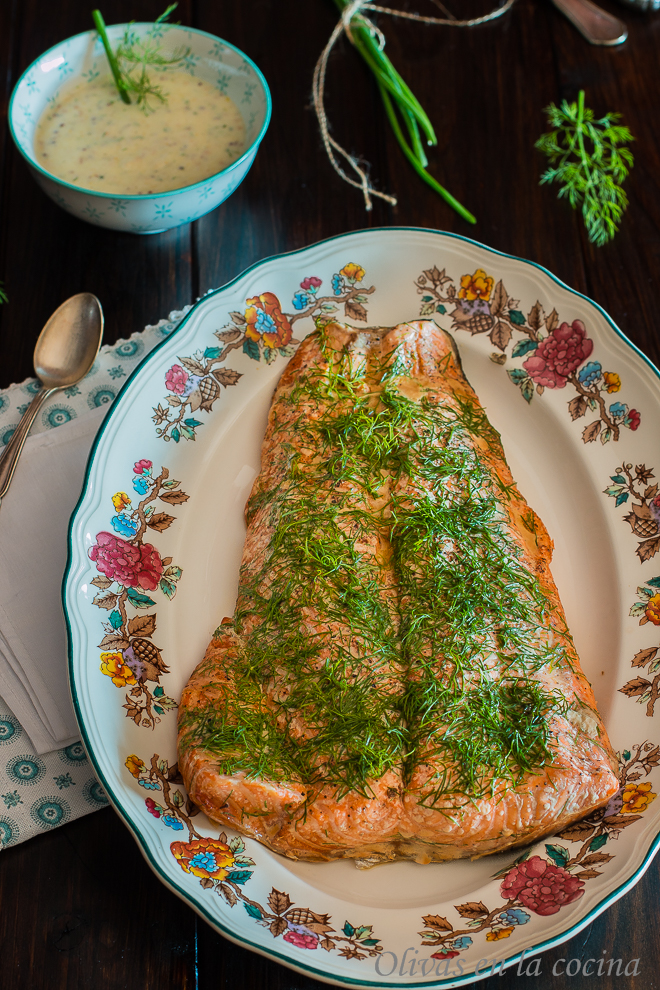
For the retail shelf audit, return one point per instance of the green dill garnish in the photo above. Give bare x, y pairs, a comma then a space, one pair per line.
391, 624
587, 159
129, 62
502, 726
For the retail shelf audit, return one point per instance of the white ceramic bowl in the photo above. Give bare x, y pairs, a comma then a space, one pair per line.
209, 58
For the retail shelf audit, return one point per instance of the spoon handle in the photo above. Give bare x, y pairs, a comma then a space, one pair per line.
598, 26
11, 453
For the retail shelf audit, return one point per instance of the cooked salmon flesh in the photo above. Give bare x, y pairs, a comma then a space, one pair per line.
398, 680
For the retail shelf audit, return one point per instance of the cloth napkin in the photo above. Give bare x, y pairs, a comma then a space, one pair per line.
40, 752
34, 517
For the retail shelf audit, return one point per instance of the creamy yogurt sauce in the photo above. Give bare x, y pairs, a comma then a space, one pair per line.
91, 138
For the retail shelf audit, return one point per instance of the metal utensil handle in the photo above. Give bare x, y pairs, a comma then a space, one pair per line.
597, 26
11, 453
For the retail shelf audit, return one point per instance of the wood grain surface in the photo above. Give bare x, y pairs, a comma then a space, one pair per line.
79, 907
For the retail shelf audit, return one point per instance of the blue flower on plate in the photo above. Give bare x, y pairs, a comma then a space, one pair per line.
149, 785
514, 916
463, 943
140, 484
191, 385
618, 410
124, 525
204, 861
337, 284
265, 323
172, 822
300, 300
590, 373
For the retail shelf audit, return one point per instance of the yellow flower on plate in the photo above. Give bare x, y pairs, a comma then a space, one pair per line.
612, 381
653, 610
265, 320
135, 765
498, 934
205, 858
112, 665
636, 798
477, 286
120, 500
352, 272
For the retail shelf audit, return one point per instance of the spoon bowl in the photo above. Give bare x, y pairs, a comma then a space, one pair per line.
63, 355
69, 342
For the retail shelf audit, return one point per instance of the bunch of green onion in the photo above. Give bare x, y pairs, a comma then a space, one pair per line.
400, 102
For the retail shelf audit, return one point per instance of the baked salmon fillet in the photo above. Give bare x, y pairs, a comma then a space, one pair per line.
398, 680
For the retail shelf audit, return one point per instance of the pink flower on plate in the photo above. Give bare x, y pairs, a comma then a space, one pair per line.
311, 282
633, 419
540, 886
301, 941
143, 466
556, 357
133, 566
176, 379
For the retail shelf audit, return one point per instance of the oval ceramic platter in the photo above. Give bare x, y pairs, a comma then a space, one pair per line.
155, 547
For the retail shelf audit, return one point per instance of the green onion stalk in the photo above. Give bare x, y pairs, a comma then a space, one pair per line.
400, 102
133, 54
114, 67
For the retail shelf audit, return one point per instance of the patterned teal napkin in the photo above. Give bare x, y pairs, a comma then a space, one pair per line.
101, 386
38, 793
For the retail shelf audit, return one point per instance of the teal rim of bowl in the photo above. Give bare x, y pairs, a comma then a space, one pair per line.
165, 192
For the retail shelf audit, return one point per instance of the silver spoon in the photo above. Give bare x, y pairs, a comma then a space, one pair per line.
596, 25
64, 353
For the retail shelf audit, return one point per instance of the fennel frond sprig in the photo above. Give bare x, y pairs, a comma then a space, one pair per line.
133, 56
401, 105
588, 161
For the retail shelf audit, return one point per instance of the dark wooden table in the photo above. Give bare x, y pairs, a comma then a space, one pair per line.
79, 907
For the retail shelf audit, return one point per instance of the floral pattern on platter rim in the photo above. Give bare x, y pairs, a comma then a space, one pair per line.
262, 330
556, 353
253, 307
645, 691
539, 884
644, 520
542, 884
129, 571
222, 866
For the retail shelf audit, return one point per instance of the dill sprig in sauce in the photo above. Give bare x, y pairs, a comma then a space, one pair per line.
392, 624
129, 62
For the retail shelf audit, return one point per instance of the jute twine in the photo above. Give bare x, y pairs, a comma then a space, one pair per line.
357, 8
